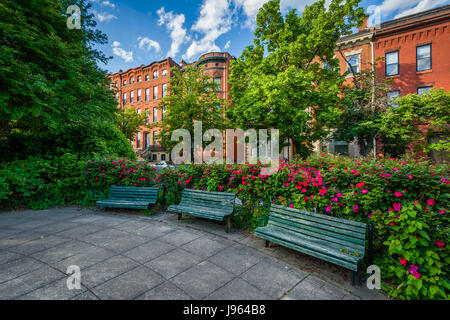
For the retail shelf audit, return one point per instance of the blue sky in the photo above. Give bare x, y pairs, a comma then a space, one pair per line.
140, 32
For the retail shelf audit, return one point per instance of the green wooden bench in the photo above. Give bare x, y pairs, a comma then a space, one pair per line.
339, 241
130, 197
210, 205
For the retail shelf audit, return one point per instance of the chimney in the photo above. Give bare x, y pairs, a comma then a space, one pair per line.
365, 23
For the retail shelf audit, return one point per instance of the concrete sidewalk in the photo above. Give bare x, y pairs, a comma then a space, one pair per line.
130, 256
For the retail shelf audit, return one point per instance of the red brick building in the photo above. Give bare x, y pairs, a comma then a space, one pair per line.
415, 49
144, 86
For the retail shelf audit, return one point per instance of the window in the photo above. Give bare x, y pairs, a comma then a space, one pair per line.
146, 140
147, 94
392, 96
353, 64
155, 114
117, 83
131, 96
155, 74
139, 78
155, 138
164, 90
139, 111
392, 63
326, 65
124, 99
138, 140
147, 116
139, 95
423, 57
164, 72
163, 157
163, 112
154, 157
124, 82
217, 84
155, 93
117, 96
423, 89
131, 80
147, 77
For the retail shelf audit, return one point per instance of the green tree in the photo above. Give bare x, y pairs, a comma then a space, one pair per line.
280, 82
130, 121
363, 104
420, 119
192, 97
48, 74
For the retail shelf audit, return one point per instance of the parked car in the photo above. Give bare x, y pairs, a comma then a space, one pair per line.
163, 165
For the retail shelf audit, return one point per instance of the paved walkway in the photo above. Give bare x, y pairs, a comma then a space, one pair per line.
130, 256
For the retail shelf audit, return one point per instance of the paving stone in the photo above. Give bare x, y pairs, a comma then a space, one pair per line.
174, 262
350, 297
40, 244
236, 259
106, 270
6, 256
85, 259
18, 239
272, 277
165, 291
11, 221
125, 243
28, 282
107, 221
312, 288
33, 224
132, 226
16, 268
56, 227
104, 236
154, 231
129, 285
180, 237
62, 251
204, 247
238, 289
57, 290
86, 219
81, 231
202, 279
149, 251
8, 232
85, 295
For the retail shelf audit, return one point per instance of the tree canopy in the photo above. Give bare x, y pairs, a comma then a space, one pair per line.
280, 82
50, 81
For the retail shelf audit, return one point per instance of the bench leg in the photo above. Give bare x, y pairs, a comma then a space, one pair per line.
228, 224
179, 216
267, 243
355, 277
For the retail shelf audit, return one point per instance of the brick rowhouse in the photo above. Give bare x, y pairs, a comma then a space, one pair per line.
415, 50
144, 86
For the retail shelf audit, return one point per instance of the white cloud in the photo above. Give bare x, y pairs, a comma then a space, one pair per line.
214, 21
227, 45
127, 56
108, 4
174, 23
406, 7
421, 6
104, 16
147, 44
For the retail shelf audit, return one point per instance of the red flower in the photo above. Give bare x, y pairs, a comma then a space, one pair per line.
359, 185
431, 202
403, 262
440, 244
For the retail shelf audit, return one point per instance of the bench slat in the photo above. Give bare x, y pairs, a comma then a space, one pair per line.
300, 223
319, 220
130, 197
307, 251
209, 193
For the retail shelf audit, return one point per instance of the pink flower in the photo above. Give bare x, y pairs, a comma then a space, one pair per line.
355, 208
339, 195
398, 194
397, 206
440, 244
364, 191
328, 208
441, 211
413, 270
291, 205
409, 176
392, 223
220, 187
335, 199
431, 202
